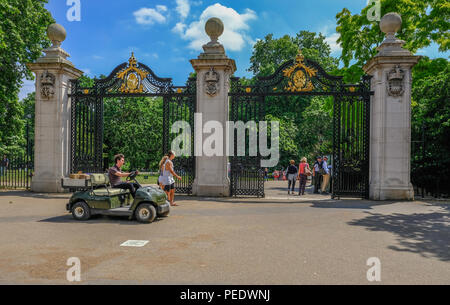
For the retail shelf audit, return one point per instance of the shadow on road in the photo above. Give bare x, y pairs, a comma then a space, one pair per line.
427, 234
348, 204
96, 219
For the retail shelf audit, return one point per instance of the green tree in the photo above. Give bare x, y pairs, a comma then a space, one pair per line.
23, 25
28, 106
288, 146
424, 22
316, 133
431, 124
133, 126
305, 122
270, 53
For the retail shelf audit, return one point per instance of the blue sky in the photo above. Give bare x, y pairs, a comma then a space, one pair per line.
166, 34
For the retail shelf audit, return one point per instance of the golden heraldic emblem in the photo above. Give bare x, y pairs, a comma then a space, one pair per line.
299, 75
132, 77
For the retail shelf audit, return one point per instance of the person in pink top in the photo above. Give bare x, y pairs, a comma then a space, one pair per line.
303, 171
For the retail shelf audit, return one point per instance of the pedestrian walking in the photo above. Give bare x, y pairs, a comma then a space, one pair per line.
276, 175
317, 176
161, 163
291, 171
167, 178
325, 175
303, 172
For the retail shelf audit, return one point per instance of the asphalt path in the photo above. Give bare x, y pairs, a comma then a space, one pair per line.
281, 239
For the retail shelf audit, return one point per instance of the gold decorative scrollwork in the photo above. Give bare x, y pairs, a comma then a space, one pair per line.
132, 77
299, 75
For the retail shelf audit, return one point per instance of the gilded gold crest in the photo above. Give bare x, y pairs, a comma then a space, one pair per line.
299, 75
132, 77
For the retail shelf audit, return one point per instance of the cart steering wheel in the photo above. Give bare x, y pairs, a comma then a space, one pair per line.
132, 175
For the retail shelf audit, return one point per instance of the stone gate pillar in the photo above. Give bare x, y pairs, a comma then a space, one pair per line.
52, 125
390, 121
213, 69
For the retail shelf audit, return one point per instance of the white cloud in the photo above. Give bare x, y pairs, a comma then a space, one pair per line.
161, 8
332, 41
149, 16
235, 35
183, 8
331, 37
179, 28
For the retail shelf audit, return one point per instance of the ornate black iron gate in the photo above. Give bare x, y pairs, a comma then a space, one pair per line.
351, 138
246, 174
351, 124
130, 79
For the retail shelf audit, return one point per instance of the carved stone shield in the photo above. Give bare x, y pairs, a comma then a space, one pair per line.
212, 82
395, 84
47, 85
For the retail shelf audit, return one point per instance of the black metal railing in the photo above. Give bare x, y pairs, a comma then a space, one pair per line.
17, 164
16, 172
429, 173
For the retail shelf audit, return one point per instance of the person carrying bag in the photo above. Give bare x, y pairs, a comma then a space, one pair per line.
303, 172
291, 172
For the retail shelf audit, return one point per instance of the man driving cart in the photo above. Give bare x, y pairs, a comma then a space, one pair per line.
115, 174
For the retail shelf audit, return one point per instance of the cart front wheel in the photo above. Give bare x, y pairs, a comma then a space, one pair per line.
81, 211
145, 213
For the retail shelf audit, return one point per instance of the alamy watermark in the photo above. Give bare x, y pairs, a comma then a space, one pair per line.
374, 272
73, 274
374, 12
74, 12
214, 139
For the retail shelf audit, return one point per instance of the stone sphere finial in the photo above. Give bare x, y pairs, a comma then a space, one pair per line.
390, 24
214, 28
56, 33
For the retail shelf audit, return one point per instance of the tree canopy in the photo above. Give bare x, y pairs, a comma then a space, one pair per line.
431, 125
424, 22
305, 122
23, 25
270, 53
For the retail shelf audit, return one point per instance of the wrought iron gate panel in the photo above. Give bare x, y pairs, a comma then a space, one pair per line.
246, 174
351, 137
130, 79
181, 107
351, 123
86, 131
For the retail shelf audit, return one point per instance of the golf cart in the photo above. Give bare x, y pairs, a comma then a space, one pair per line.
95, 196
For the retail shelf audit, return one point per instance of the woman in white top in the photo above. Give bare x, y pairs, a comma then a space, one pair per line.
161, 163
166, 178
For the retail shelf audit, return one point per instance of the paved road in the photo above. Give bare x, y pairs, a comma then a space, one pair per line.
310, 240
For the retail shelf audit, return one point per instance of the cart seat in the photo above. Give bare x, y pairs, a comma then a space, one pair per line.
109, 192
98, 180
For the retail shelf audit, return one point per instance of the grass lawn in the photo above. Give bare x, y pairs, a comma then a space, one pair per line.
147, 179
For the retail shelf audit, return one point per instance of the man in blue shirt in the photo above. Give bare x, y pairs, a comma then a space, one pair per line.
325, 175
